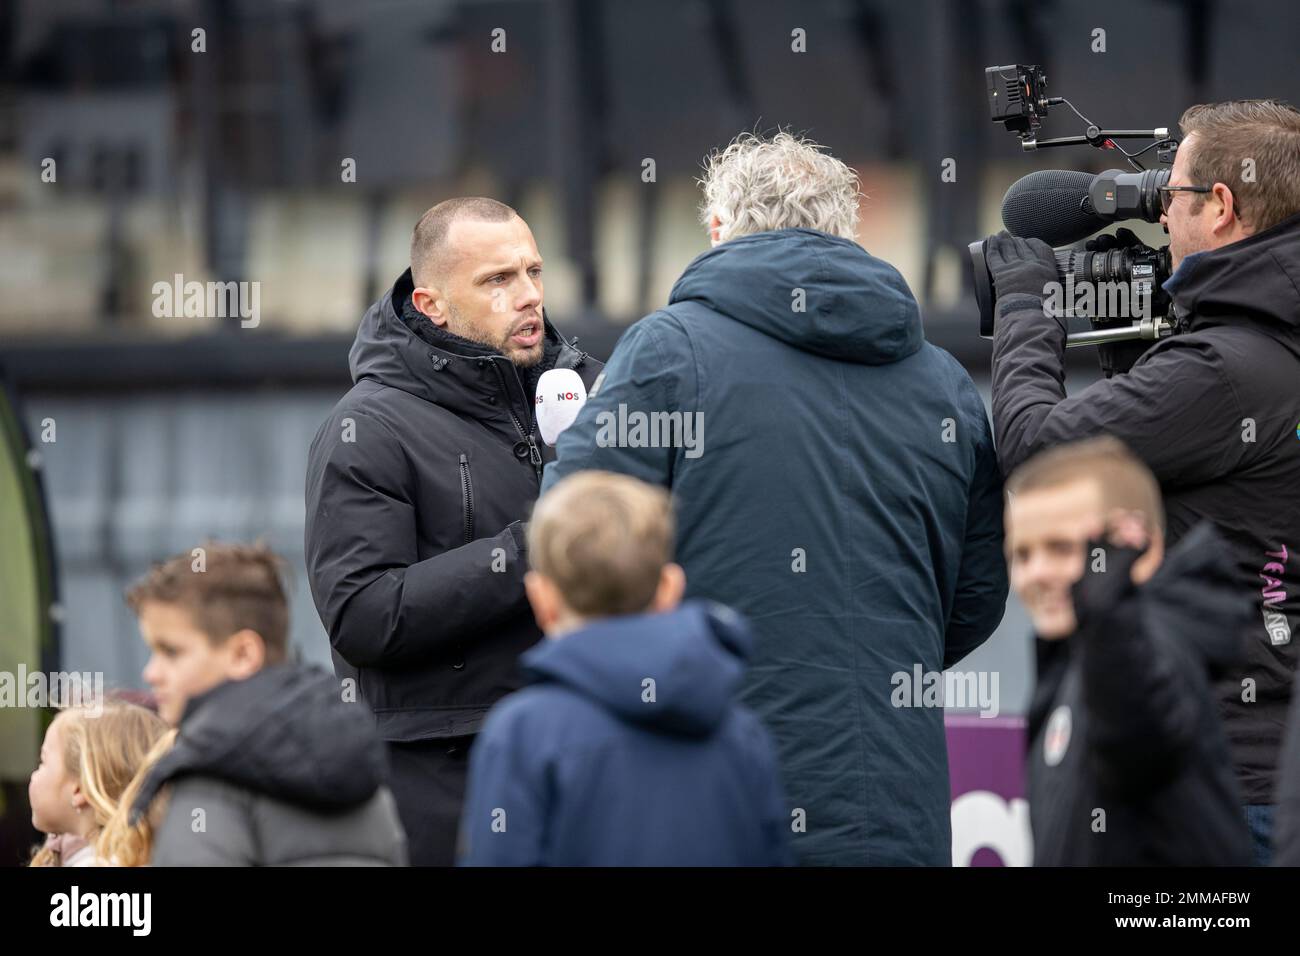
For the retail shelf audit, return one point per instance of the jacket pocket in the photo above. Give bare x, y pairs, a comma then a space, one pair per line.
467, 498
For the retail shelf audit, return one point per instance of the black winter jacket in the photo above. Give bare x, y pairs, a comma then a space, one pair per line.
418, 485
1286, 834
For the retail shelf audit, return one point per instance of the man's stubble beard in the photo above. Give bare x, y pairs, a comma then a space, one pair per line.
528, 358
522, 358
1191, 239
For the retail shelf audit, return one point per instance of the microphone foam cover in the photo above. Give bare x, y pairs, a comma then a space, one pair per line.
560, 396
1046, 205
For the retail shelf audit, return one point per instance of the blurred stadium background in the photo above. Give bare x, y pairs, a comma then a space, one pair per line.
226, 165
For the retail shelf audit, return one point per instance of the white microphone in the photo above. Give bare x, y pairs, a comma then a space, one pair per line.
560, 396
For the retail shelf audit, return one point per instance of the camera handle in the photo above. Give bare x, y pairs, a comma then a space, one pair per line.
1148, 329
1094, 136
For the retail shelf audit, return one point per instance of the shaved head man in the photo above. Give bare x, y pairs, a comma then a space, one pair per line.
478, 274
418, 487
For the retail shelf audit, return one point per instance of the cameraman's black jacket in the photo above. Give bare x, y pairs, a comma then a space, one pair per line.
1286, 835
1214, 413
1128, 765
418, 485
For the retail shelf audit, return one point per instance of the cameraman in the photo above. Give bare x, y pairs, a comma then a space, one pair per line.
1212, 412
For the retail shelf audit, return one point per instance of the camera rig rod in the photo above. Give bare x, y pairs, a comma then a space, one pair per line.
1148, 329
1095, 137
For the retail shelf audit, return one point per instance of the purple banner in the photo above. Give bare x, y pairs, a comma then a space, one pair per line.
990, 817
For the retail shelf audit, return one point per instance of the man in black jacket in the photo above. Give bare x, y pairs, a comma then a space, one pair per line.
417, 488
1127, 764
1212, 411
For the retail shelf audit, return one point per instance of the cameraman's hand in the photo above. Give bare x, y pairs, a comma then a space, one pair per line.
1019, 265
1123, 239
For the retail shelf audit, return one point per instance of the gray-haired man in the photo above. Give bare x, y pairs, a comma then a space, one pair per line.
847, 498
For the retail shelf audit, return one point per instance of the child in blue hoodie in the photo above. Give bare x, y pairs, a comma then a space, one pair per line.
628, 748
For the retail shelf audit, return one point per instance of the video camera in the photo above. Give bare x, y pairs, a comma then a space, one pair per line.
1064, 207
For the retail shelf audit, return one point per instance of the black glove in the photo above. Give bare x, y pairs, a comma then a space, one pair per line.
1122, 239
1020, 265
1098, 592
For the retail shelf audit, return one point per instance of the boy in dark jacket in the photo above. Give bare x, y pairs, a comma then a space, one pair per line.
1128, 763
274, 764
629, 748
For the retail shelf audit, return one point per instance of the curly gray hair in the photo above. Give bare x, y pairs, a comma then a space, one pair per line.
784, 182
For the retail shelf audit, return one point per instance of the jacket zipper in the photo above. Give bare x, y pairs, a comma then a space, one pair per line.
467, 497
467, 494
534, 453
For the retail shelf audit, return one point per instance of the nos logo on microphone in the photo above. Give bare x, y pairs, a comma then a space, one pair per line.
560, 396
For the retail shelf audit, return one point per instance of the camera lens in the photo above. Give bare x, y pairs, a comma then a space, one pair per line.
1112, 265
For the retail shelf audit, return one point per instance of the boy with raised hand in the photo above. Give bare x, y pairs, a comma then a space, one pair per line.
1128, 763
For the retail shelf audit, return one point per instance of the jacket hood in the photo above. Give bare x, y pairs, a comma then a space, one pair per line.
695, 655
398, 348
285, 732
1195, 598
1256, 279
857, 308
